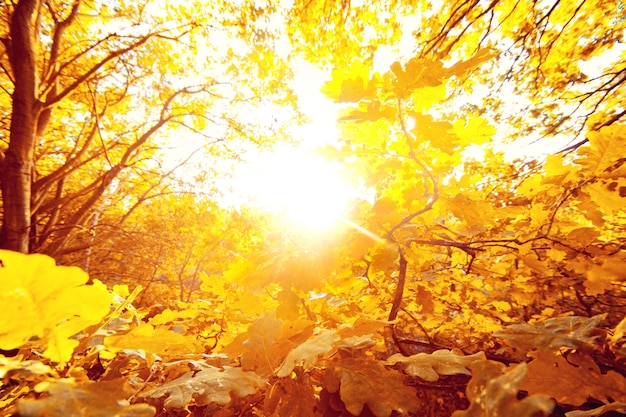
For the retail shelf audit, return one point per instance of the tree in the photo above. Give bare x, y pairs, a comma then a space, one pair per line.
463, 283
81, 80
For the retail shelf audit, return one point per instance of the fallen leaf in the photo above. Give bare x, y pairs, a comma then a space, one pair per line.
548, 371
308, 352
363, 381
429, 366
86, 399
573, 332
493, 390
290, 398
209, 386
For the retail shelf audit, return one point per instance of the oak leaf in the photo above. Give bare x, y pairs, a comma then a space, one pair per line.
606, 147
160, 341
308, 352
608, 194
290, 398
267, 342
47, 302
573, 332
493, 390
67, 399
354, 343
209, 386
429, 366
548, 372
16, 366
363, 381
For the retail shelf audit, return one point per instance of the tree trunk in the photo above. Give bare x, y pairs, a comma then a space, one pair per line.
17, 168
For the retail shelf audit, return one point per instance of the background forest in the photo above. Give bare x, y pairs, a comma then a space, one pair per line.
477, 269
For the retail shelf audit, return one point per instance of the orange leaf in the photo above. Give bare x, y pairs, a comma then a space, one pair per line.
547, 372
87, 399
308, 352
493, 390
209, 386
365, 381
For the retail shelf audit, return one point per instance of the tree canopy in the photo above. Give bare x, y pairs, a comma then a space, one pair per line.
477, 272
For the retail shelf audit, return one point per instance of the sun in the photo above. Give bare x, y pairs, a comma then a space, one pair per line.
299, 187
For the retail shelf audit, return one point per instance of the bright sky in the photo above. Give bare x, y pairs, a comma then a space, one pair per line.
294, 182
301, 187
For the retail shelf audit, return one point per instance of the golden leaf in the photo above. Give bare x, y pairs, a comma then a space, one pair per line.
48, 302
209, 386
429, 366
86, 399
365, 381
493, 391
160, 341
307, 353
583, 376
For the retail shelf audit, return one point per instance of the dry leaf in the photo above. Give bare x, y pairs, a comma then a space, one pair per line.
365, 381
209, 386
493, 390
429, 366
573, 380
308, 352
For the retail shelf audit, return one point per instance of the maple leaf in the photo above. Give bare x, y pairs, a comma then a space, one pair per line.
364, 381
547, 371
67, 399
48, 302
209, 386
308, 352
493, 390
574, 332
429, 366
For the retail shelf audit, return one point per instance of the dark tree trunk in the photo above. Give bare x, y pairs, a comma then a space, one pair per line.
17, 168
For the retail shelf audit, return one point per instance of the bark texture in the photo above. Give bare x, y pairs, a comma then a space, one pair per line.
17, 169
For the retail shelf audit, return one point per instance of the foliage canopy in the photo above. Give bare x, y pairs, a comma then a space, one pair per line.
465, 282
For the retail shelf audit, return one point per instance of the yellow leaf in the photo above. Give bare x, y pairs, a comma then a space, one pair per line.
429, 366
365, 381
209, 386
600, 277
606, 147
121, 290
89, 399
158, 341
308, 352
349, 84
608, 194
556, 172
48, 302
424, 98
473, 130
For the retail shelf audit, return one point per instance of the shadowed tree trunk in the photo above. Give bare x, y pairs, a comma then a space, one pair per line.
17, 166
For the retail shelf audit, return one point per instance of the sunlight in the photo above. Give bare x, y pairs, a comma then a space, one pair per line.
292, 182
301, 188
